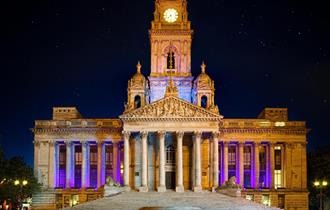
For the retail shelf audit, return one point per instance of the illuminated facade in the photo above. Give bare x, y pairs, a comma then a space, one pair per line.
171, 136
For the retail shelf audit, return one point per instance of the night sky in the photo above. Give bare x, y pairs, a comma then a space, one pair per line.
82, 53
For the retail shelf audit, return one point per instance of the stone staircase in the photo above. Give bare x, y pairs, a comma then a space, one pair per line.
44, 200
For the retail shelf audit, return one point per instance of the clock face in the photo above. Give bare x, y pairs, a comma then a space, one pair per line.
171, 15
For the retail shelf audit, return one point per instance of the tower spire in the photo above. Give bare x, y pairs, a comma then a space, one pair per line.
138, 67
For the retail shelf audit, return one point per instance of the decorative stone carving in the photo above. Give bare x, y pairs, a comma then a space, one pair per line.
112, 188
230, 188
172, 107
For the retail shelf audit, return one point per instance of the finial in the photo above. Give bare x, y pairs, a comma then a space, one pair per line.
203, 67
138, 67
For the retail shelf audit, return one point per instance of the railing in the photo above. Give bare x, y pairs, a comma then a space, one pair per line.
78, 123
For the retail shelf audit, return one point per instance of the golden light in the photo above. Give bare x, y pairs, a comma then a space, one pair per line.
16, 182
25, 182
317, 183
171, 15
324, 183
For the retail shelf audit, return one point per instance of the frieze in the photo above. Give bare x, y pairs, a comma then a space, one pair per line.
76, 130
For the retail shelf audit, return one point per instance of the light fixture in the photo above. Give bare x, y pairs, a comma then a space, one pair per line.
317, 183
25, 182
324, 183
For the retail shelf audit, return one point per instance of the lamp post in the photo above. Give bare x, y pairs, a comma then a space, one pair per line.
321, 185
21, 184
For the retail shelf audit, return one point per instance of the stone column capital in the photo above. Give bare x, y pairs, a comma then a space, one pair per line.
215, 134
126, 134
179, 134
84, 143
161, 134
68, 143
144, 134
257, 144
241, 144
226, 143
198, 134
272, 144
51, 142
36, 143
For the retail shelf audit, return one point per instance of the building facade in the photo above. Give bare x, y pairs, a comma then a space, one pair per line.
171, 136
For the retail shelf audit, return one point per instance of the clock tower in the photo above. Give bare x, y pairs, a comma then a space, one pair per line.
170, 40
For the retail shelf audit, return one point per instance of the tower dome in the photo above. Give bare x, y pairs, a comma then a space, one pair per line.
203, 81
138, 79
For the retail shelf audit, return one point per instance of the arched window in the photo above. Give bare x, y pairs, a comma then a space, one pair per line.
137, 102
204, 102
170, 155
170, 60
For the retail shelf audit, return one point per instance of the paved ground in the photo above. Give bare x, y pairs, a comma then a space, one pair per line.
170, 201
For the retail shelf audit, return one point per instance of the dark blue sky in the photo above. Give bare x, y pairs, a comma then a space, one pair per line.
81, 53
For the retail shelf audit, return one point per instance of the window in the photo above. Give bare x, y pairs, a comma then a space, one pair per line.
247, 157
137, 102
93, 166
204, 102
77, 166
249, 197
281, 201
262, 162
62, 167
170, 155
231, 161
265, 200
170, 60
278, 168
108, 161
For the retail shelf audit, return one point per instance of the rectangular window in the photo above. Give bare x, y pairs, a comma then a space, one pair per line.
281, 201
247, 157
262, 167
77, 166
93, 166
108, 161
62, 167
278, 168
265, 200
231, 161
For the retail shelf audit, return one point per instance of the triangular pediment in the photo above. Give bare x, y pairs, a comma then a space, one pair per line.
170, 108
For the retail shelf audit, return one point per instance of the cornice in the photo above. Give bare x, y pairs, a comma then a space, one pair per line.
263, 130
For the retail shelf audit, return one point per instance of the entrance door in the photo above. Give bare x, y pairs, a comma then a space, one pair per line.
170, 180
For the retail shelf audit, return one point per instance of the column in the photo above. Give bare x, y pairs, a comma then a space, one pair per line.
84, 166
215, 160
69, 165
36, 157
116, 170
193, 174
99, 163
225, 161
241, 163
287, 163
144, 177
126, 158
271, 165
161, 187
179, 185
198, 166
52, 166
256, 166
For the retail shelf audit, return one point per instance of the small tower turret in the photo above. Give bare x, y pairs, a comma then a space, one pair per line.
137, 91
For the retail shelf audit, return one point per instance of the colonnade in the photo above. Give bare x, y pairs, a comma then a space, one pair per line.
196, 177
70, 161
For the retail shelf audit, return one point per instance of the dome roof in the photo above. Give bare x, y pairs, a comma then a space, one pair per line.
138, 77
203, 80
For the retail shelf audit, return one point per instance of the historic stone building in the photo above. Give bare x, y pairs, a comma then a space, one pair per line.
170, 136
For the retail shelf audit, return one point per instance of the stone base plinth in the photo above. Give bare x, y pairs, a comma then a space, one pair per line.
161, 189
143, 189
198, 189
214, 189
231, 192
127, 188
179, 189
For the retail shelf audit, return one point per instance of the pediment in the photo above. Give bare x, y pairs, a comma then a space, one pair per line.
171, 108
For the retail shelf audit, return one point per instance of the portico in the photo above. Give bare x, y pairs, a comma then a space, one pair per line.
176, 119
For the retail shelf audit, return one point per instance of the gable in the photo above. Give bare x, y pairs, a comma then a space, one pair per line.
171, 108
